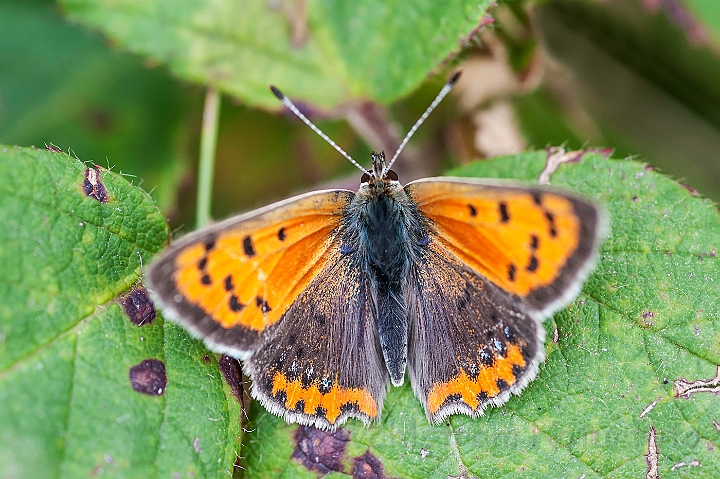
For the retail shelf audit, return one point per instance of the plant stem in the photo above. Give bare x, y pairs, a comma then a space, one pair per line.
208, 142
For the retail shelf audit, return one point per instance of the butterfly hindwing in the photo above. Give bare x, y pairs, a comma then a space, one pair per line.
500, 259
322, 363
230, 282
533, 243
470, 345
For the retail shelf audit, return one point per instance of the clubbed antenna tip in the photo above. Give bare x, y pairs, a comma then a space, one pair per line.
450, 82
277, 93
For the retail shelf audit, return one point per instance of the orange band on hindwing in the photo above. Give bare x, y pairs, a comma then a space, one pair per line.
331, 402
485, 381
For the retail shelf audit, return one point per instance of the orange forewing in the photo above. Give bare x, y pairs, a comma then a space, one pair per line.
258, 265
518, 238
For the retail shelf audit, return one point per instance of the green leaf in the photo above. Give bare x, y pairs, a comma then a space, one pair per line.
647, 316
365, 49
67, 405
62, 85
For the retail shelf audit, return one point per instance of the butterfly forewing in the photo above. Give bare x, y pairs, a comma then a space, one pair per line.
230, 282
534, 243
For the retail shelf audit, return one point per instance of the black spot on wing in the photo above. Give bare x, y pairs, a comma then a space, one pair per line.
473, 211
234, 304
504, 216
281, 234
229, 286
325, 385
206, 280
248, 247
533, 264
511, 272
306, 380
349, 406
551, 223
262, 303
280, 396
534, 242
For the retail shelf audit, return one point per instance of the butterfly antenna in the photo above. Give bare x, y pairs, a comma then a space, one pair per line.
290, 106
445, 90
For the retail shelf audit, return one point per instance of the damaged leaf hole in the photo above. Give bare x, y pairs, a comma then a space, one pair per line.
139, 307
93, 186
149, 377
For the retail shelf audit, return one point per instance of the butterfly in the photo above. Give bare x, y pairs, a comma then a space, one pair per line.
332, 296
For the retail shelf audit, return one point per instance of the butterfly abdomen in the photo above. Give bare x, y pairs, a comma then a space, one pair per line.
384, 227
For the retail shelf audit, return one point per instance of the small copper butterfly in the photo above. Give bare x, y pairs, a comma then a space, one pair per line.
331, 296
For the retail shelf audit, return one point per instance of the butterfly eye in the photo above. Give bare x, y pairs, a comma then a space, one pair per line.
365, 178
391, 175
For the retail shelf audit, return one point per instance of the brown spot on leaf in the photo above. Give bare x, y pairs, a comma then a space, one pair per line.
651, 456
149, 377
691, 190
139, 307
319, 450
232, 372
685, 388
93, 186
367, 466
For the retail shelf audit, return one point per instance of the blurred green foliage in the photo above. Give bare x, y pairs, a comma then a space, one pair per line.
636, 79
120, 84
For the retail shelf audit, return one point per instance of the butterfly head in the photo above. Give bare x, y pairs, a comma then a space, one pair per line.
379, 172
